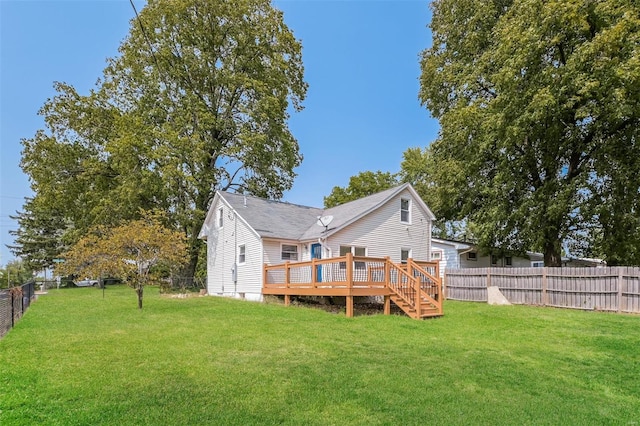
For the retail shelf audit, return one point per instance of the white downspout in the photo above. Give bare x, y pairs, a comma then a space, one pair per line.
324, 247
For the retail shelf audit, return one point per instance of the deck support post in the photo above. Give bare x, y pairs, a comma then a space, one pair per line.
349, 303
349, 298
387, 305
287, 300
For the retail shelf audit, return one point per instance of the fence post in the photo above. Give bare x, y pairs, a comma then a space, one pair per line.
444, 286
620, 282
545, 296
11, 296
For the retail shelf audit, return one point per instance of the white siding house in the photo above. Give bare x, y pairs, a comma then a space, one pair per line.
457, 255
244, 232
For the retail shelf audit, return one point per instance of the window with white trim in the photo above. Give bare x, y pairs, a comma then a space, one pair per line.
220, 217
356, 251
405, 210
436, 255
242, 256
289, 252
537, 264
405, 254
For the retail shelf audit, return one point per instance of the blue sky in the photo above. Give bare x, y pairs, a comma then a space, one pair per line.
361, 62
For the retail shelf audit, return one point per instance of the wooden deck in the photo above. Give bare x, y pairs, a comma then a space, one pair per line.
415, 286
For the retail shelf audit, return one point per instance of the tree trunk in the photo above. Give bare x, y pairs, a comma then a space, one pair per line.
552, 251
139, 291
194, 251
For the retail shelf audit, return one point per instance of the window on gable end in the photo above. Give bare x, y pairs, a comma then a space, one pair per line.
242, 254
220, 217
405, 210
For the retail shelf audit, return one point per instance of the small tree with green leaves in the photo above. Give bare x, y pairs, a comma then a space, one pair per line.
138, 252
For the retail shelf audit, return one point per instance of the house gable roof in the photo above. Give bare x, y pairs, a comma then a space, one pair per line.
275, 219
347, 213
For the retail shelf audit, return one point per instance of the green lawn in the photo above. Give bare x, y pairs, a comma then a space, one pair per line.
79, 358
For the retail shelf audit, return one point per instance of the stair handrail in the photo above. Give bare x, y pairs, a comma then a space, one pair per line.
412, 300
413, 266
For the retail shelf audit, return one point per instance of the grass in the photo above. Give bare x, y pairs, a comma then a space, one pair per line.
77, 358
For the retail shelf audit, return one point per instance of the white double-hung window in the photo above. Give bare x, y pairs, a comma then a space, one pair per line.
289, 252
356, 251
405, 210
242, 254
220, 217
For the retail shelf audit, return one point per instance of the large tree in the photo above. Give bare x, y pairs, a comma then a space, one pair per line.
360, 185
539, 107
40, 236
197, 101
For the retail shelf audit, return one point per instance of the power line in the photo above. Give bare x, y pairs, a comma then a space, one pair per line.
13, 197
144, 34
159, 69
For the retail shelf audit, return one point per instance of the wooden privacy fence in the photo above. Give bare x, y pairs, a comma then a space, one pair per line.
608, 289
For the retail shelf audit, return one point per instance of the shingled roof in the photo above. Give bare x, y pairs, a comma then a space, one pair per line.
275, 219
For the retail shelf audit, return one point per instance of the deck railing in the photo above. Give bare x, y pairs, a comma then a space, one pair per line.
428, 277
340, 272
415, 282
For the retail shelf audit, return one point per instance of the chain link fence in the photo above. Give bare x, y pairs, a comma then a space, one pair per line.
182, 284
13, 304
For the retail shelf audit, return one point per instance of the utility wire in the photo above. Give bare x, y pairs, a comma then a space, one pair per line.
144, 34
160, 70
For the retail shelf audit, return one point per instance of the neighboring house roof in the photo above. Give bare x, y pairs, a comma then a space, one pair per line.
586, 260
275, 219
458, 245
534, 256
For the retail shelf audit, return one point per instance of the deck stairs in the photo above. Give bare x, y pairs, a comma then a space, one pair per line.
415, 291
414, 286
